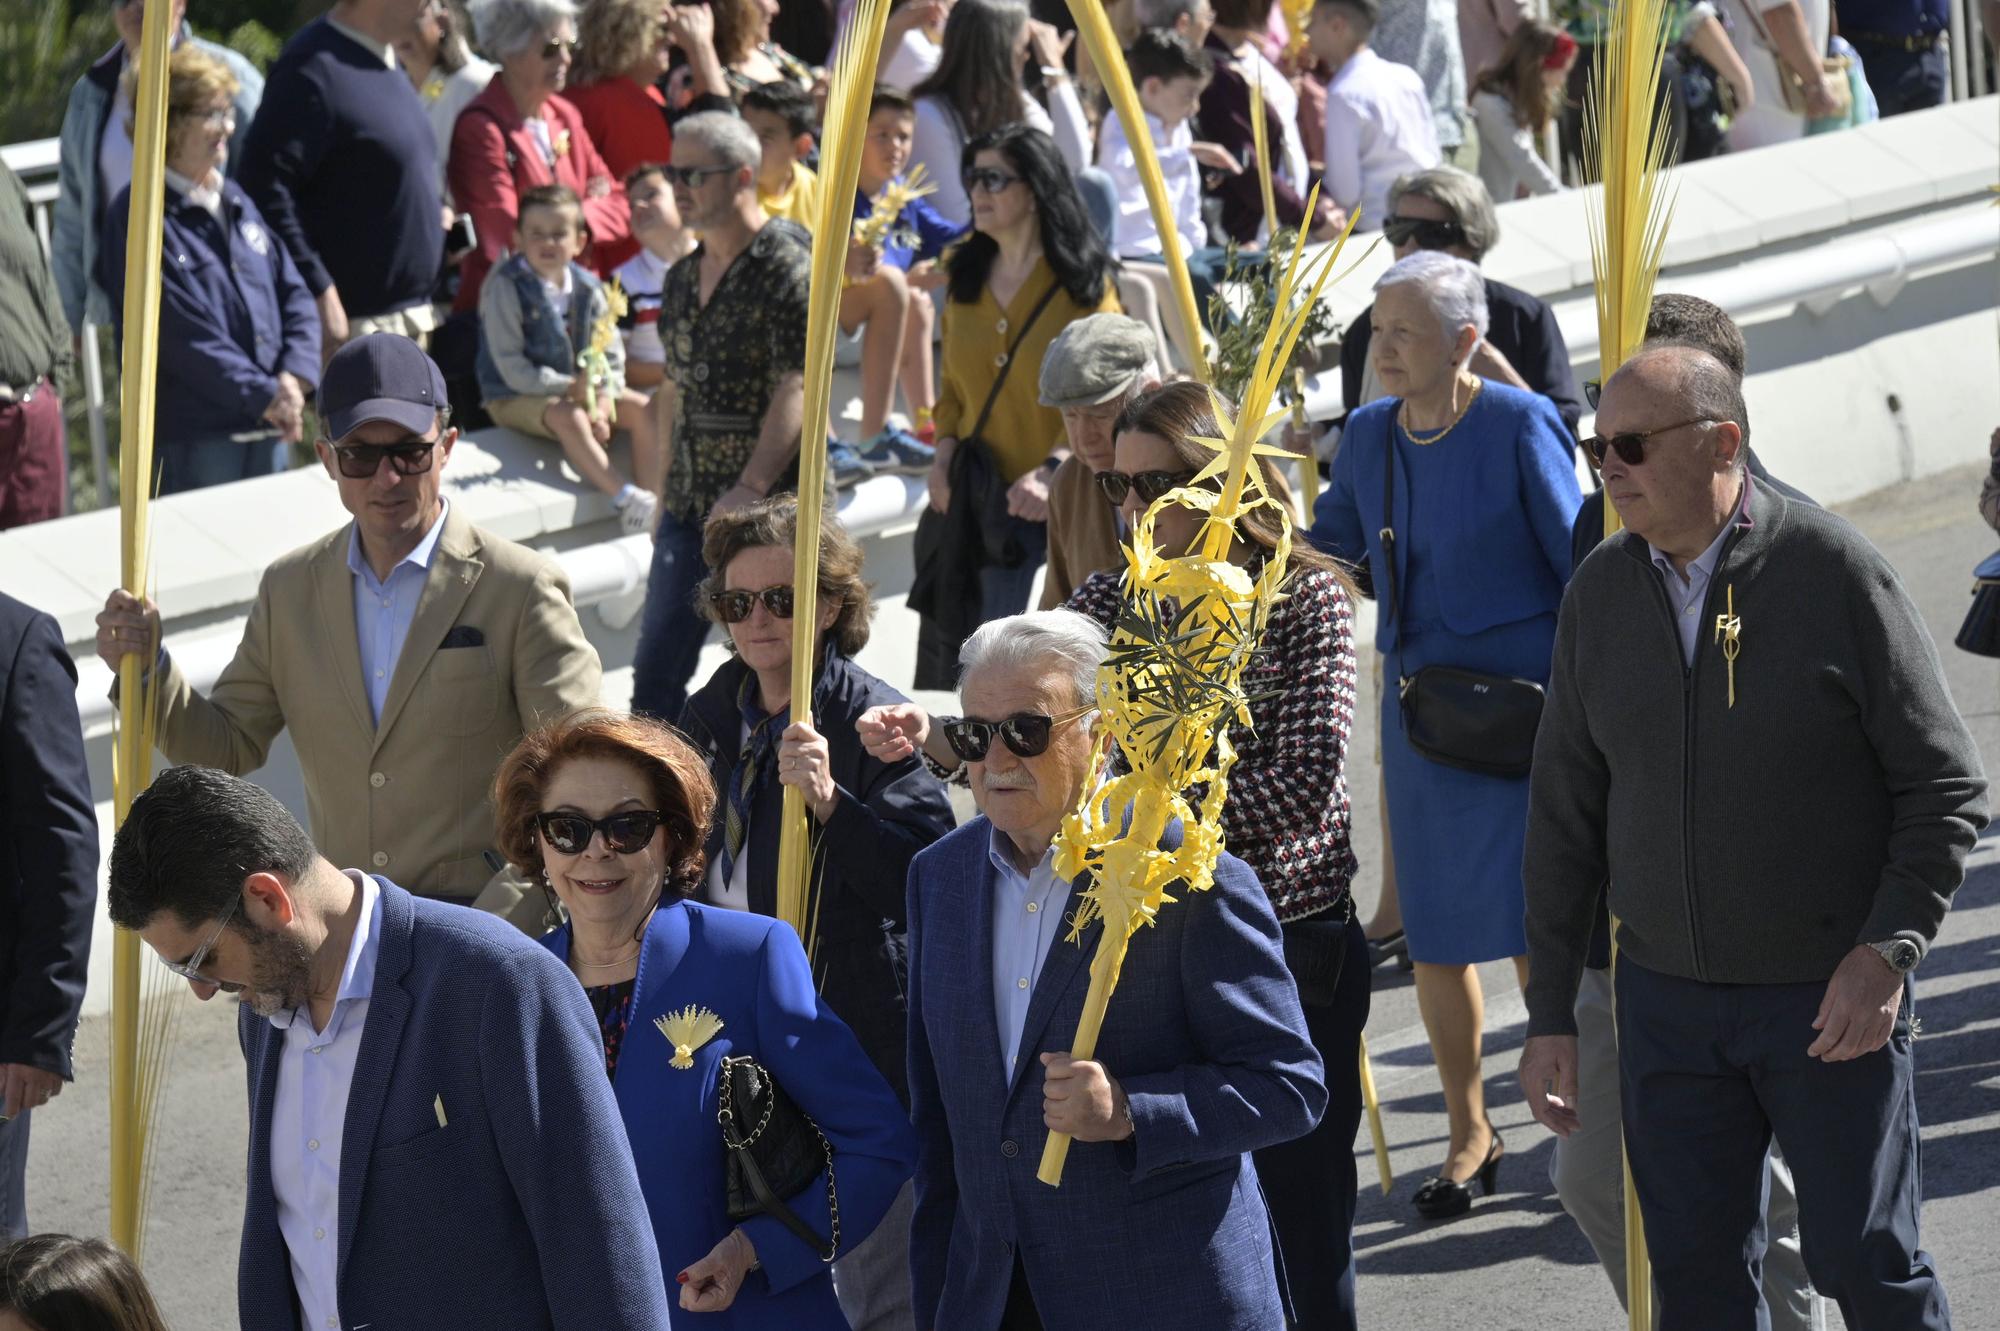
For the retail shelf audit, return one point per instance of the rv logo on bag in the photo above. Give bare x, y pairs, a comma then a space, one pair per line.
1482, 688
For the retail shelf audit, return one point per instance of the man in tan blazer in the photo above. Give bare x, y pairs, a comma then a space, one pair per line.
406, 652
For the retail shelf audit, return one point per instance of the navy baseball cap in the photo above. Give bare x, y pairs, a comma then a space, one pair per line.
380, 377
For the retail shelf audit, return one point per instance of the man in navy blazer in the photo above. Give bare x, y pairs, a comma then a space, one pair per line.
48, 883
1204, 1056
432, 1140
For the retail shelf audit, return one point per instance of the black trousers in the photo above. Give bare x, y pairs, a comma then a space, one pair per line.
1309, 1182
1905, 80
1708, 1073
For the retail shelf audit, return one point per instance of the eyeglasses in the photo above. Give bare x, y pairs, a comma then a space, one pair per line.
219, 117
1631, 447
624, 833
1428, 232
692, 176
1593, 389
988, 179
409, 457
191, 968
1026, 733
556, 50
734, 606
1149, 484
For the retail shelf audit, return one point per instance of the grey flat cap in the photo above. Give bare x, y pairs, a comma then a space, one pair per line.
1095, 360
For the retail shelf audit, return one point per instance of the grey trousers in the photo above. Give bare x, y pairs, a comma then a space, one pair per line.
1589, 1174
873, 1281
14, 1178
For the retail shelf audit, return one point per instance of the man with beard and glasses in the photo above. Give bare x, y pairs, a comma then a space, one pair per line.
432, 1140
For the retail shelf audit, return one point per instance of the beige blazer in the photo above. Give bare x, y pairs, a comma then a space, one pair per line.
408, 798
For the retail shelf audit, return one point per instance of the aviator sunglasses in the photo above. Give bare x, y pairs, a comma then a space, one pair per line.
624, 833
409, 457
1150, 485
734, 606
1631, 447
1026, 733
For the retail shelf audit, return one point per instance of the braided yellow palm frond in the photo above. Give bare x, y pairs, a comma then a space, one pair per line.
843, 132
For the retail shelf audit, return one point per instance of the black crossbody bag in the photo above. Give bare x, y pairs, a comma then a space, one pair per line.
1462, 718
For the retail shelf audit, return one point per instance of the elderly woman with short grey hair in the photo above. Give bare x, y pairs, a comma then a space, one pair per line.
1449, 210
1474, 479
521, 133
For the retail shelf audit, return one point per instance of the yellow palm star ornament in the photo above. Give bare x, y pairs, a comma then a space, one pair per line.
596, 357
845, 129
1173, 684
688, 1030
881, 225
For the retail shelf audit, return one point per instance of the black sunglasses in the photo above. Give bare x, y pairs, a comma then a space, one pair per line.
550, 50
1026, 733
988, 178
624, 833
410, 457
1428, 232
733, 607
1150, 484
1631, 447
1593, 389
692, 176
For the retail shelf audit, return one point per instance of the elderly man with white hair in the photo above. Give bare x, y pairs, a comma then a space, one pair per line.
1204, 1055
1459, 493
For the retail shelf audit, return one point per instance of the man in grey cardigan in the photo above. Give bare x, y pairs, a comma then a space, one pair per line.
1749, 735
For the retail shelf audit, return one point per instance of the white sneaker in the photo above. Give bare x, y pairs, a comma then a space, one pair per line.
636, 517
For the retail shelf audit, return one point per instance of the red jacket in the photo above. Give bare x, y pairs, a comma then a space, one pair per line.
494, 159
627, 122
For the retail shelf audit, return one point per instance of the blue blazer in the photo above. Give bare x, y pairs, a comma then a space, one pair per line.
1506, 558
522, 1210
1165, 1230
751, 972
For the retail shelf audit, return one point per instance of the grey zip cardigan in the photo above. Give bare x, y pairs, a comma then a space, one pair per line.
1755, 843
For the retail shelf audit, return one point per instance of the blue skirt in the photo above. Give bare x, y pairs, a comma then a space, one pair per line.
1458, 835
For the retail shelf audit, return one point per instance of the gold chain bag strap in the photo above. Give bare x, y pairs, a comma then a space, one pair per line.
775, 1151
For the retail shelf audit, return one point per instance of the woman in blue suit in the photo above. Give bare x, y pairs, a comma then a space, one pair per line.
610, 811
1485, 491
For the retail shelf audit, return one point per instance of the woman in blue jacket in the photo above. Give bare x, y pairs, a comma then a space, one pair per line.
1485, 491
610, 812
869, 818
239, 336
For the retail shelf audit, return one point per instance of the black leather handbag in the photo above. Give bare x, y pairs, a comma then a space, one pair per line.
775, 1151
1461, 718
1980, 633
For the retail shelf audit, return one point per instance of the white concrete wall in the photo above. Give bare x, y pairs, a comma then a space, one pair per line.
1822, 383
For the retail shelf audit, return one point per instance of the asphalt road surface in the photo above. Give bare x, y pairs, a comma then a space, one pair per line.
1515, 1262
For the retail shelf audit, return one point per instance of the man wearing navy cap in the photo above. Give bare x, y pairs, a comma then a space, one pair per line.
406, 652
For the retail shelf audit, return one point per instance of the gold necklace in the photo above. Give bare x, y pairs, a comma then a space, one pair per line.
1426, 440
605, 965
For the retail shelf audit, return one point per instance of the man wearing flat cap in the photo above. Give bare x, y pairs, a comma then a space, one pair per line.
406, 652
1091, 371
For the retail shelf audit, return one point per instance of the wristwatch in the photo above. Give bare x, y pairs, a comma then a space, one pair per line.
1900, 954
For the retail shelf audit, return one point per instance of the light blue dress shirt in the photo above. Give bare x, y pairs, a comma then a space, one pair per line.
308, 1114
383, 609
1027, 916
1688, 595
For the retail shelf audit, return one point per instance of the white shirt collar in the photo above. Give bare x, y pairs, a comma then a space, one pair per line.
357, 972
382, 50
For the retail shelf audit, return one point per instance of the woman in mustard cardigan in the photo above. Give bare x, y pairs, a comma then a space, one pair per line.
1032, 264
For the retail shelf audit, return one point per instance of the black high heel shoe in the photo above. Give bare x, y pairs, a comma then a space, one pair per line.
1390, 947
1442, 1198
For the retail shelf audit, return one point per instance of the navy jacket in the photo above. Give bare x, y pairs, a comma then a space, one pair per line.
1521, 327
521, 1210
233, 313
342, 159
48, 843
1166, 1229
888, 812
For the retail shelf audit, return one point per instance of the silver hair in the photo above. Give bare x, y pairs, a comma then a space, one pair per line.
1459, 193
1453, 286
1161, 13
724, 136
1702, 386
506, 28
1040, 640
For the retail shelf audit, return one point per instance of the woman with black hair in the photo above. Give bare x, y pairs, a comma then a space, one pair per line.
978, 88
1032, 264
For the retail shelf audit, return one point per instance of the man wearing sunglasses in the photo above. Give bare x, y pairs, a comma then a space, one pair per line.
1203, 1058
433, 1142
1749, 737
1092, 369
404, 652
